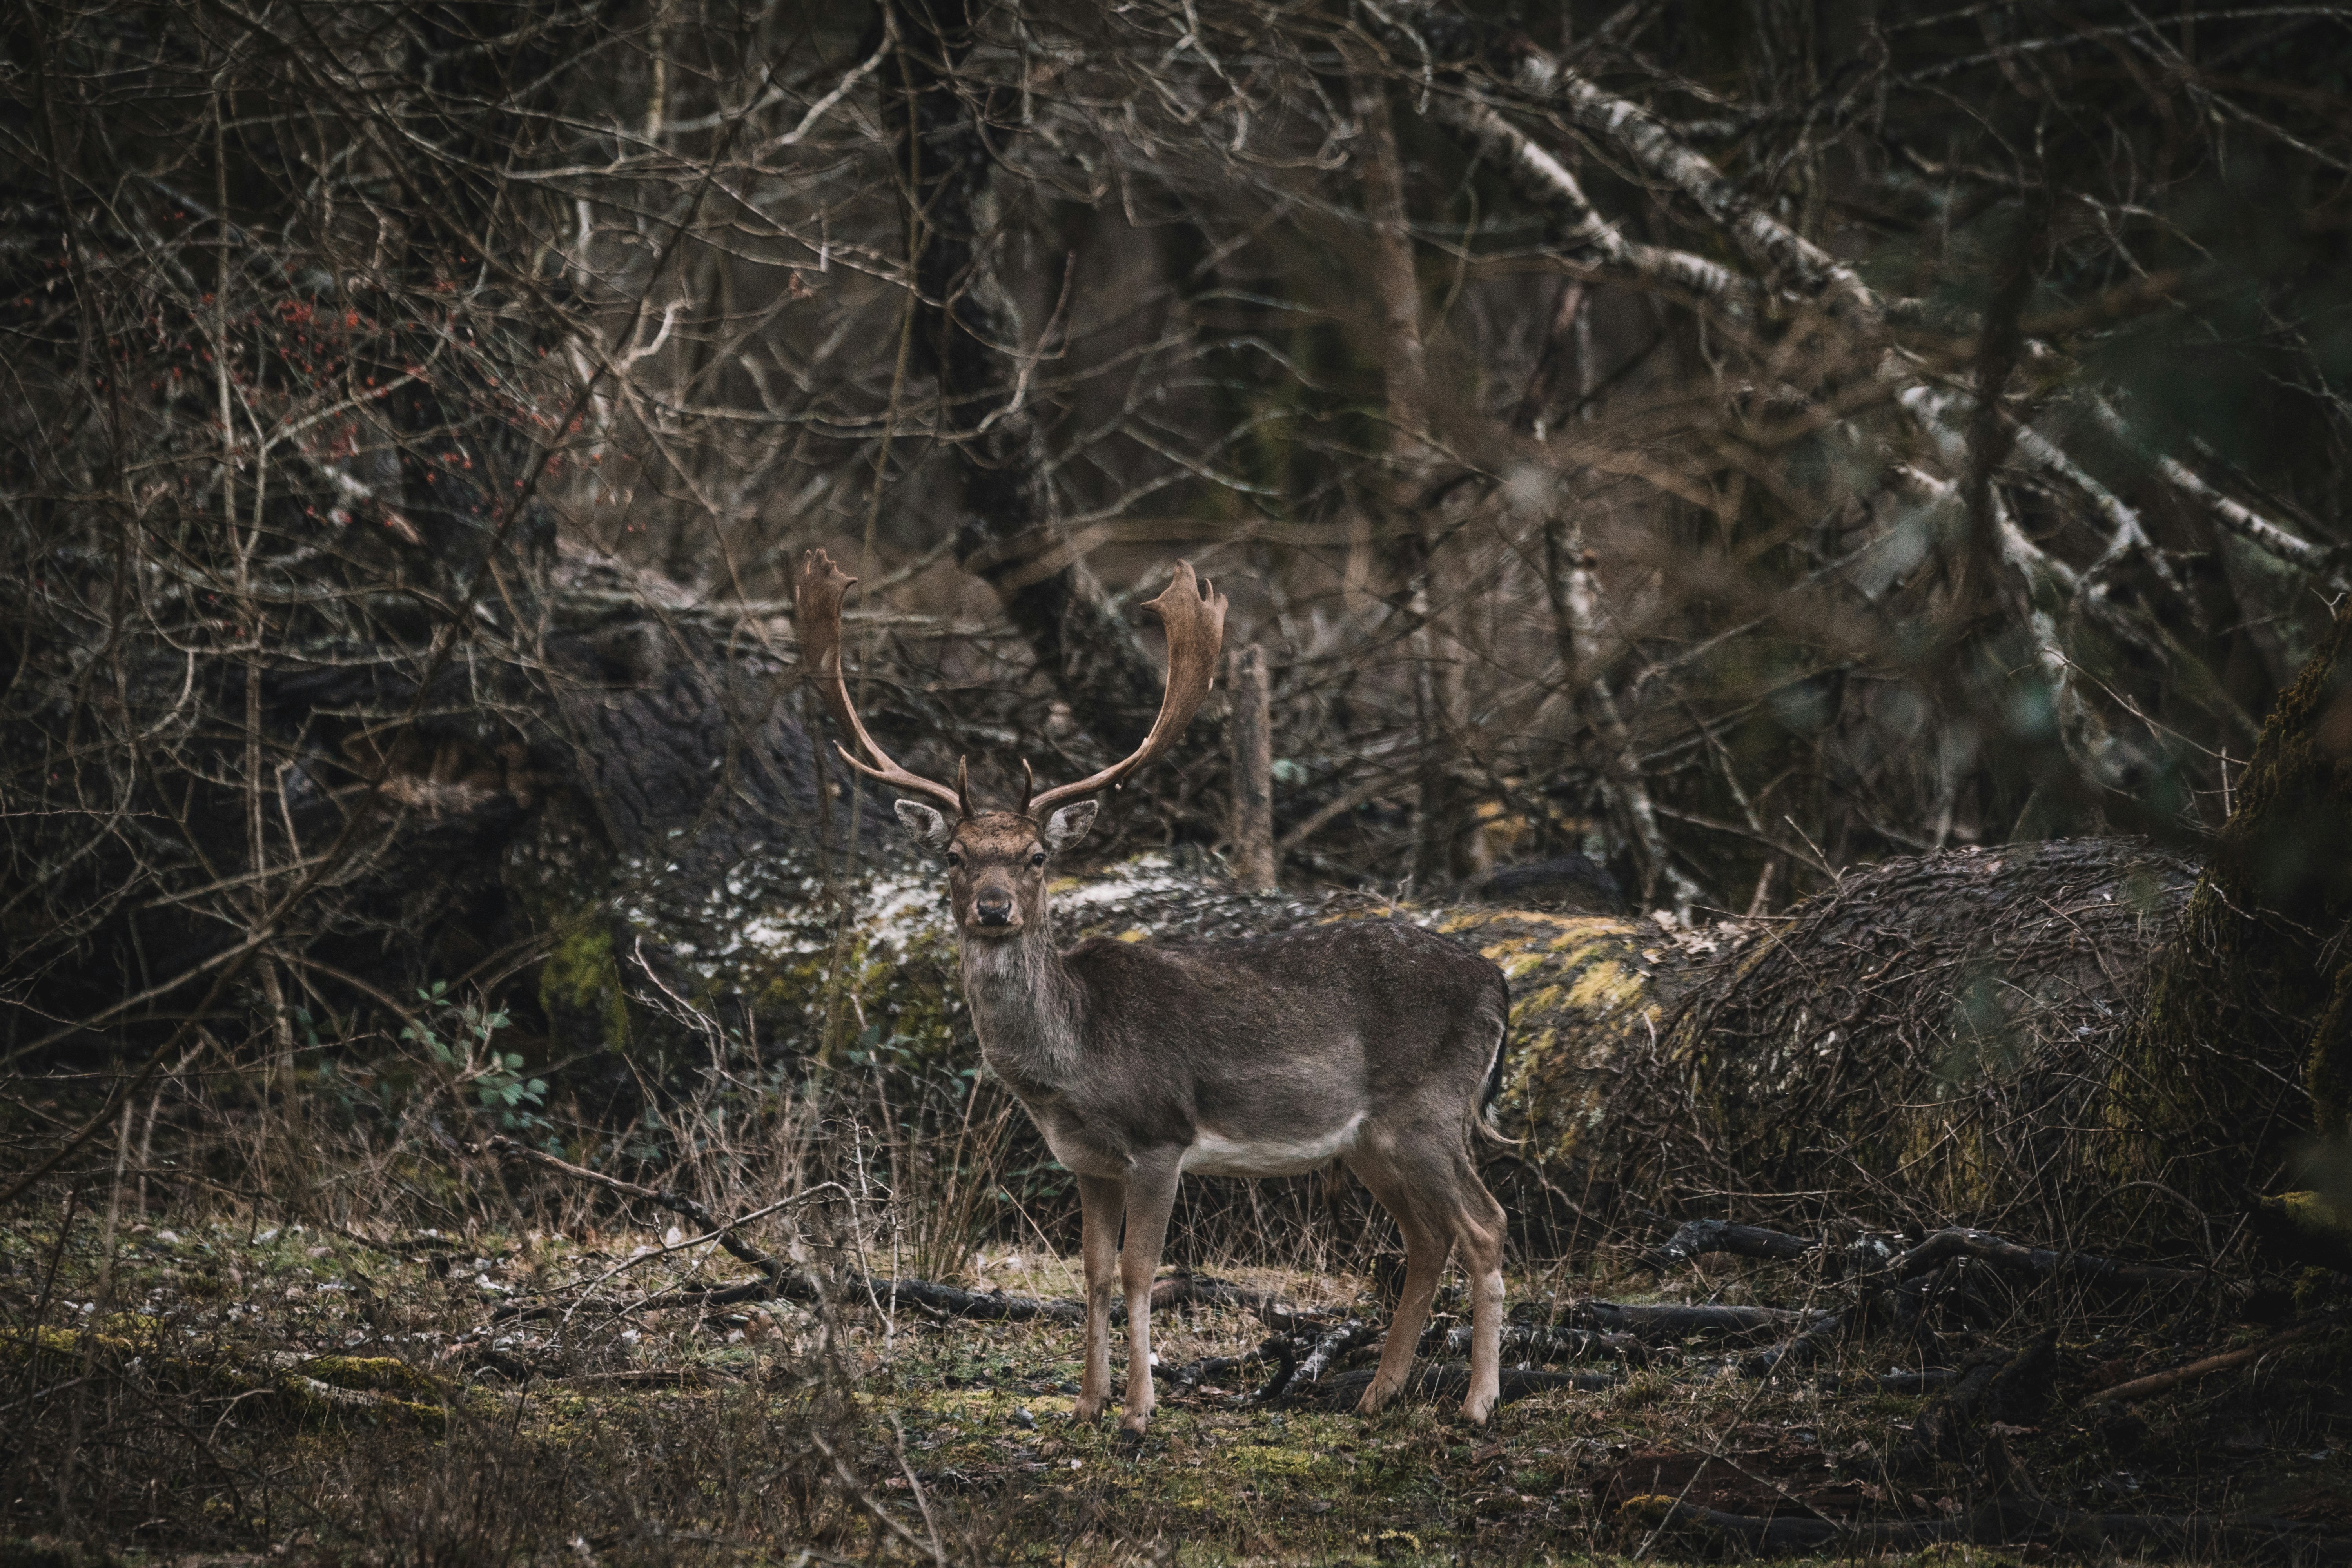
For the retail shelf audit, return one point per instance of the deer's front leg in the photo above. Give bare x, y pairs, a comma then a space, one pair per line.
1100, 1203
1151, 1197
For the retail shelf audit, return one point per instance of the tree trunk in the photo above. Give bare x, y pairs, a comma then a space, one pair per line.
1253, 770
966, 329
1445, 849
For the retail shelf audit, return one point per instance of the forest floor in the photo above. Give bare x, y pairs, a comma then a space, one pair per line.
223, 1392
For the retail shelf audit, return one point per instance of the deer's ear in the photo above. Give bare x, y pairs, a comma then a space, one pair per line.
1069, 824
927, 826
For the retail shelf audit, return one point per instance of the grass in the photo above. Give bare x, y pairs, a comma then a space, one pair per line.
143, 1423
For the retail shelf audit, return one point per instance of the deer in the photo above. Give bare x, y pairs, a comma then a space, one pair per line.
1373, 1043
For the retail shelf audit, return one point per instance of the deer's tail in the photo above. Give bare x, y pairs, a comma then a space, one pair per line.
1483, 1123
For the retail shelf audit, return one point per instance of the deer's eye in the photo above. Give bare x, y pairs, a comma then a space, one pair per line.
954, 861
1037, 859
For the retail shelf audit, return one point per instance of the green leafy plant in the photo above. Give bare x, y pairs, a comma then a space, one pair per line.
458, 1036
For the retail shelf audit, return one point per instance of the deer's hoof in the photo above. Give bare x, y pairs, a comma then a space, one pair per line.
1131, 1425
1477, 1408
1086, 1412
1374, 1397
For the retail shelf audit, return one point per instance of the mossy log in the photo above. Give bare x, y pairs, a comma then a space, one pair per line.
1922, 1042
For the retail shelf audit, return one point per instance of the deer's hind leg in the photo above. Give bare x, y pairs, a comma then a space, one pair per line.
1478, 1238
1443, 1211
1427, 1243
1101, 1202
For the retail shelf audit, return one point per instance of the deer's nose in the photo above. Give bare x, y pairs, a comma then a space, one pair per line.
994, 909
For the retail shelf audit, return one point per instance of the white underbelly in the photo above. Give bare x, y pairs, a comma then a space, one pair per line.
1214, 1154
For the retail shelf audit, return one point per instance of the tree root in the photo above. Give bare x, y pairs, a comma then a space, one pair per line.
1801, 1350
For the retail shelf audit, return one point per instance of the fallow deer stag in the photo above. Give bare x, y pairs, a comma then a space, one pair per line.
1371, 1042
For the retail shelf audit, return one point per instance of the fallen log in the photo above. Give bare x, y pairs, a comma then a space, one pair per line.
1330, 1347
1701, 1237
1958, 1241
1192, 1375
1923, 1040
305, 1387
1654, 1324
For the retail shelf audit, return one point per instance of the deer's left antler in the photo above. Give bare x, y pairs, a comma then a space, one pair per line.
1194, 614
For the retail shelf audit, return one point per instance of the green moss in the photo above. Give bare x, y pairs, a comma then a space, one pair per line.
581, 978
1267, 1461
333, 1387
315, 1399
378, 1374
1606, 985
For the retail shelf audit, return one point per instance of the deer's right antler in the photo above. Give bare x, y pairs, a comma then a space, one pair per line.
817, 614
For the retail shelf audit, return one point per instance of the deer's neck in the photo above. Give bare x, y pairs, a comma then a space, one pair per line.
1024, 1007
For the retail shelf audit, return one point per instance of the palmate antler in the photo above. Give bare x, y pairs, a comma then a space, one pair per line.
1194, 614
1192, 611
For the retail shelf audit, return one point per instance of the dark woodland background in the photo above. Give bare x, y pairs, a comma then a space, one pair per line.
1669, 456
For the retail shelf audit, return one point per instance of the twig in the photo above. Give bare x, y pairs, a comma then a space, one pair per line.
719, 1235
2173, 1377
